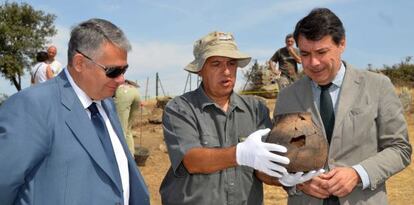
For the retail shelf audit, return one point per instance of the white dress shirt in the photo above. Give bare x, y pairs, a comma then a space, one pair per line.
334, 91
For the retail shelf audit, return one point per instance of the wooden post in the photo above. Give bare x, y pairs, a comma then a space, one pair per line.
156, 85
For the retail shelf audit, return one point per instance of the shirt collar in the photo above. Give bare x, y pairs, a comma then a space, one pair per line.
83, 97
337, 81
235, 101
339, 78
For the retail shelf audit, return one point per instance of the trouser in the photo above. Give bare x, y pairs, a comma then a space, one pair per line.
331, 200
127, 103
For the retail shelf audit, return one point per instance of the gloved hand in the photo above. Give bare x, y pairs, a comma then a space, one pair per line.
298, 177
256, 154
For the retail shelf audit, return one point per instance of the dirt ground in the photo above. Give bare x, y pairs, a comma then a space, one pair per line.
400, 187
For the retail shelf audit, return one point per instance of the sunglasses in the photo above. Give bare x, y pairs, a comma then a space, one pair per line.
110, 72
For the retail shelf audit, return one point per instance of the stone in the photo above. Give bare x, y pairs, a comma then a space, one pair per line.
162, 101
155, 116
163, 148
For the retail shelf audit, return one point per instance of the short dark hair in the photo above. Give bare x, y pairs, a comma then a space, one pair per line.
319, 23
41, 56
288, 36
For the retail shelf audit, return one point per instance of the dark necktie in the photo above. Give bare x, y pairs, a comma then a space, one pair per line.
328, 119
103, 135
326, 111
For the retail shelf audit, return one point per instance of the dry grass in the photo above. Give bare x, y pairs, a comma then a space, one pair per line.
400, 186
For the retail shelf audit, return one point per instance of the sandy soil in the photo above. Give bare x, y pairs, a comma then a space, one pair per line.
400, 187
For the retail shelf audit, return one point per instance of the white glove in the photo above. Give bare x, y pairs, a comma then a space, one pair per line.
298, 177
256, 154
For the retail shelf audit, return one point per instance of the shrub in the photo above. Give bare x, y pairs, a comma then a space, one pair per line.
401, 74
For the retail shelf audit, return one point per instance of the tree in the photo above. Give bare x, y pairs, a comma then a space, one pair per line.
23, 32
252, 74
257, 76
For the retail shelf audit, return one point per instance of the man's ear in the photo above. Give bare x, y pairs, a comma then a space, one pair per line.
342, 44
78, 62
200, 72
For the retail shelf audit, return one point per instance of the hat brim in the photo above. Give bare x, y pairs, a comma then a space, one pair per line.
197, 64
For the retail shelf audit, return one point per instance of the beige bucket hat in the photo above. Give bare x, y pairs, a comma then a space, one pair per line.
216, 44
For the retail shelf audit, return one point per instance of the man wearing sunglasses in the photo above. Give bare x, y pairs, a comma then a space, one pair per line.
61, 142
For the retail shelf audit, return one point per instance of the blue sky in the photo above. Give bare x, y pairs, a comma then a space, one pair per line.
162, 32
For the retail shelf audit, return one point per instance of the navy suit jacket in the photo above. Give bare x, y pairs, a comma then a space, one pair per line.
50, 152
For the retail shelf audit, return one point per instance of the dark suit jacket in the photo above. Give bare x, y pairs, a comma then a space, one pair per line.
370, 130
50, 153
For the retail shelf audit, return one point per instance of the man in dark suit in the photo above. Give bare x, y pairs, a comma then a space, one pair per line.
361, 114
61, 141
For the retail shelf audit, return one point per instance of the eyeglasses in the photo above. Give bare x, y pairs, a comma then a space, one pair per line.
110, 72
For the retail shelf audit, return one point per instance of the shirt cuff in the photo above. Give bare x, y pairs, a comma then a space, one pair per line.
363, 175
292, 191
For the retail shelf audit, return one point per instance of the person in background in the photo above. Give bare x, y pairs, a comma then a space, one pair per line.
214, 136
41, 71
52, 61
62, 142
127, 102
288, 59
359, 111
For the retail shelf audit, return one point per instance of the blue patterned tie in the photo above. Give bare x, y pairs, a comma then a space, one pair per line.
103, 135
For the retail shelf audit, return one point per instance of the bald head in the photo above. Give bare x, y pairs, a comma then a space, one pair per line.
51, 52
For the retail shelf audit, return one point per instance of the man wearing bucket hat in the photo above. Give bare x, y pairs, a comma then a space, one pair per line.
211, 134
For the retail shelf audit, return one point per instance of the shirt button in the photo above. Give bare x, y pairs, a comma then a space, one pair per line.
231, 183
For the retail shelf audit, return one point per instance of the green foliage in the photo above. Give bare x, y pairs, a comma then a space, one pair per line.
252, 73
24, 32
401, 74
254, 76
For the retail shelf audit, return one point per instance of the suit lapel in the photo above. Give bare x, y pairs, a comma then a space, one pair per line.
79, 123
348, 95
306, 100
113, 118
138, 189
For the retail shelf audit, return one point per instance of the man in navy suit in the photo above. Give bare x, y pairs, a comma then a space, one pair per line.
51, 150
